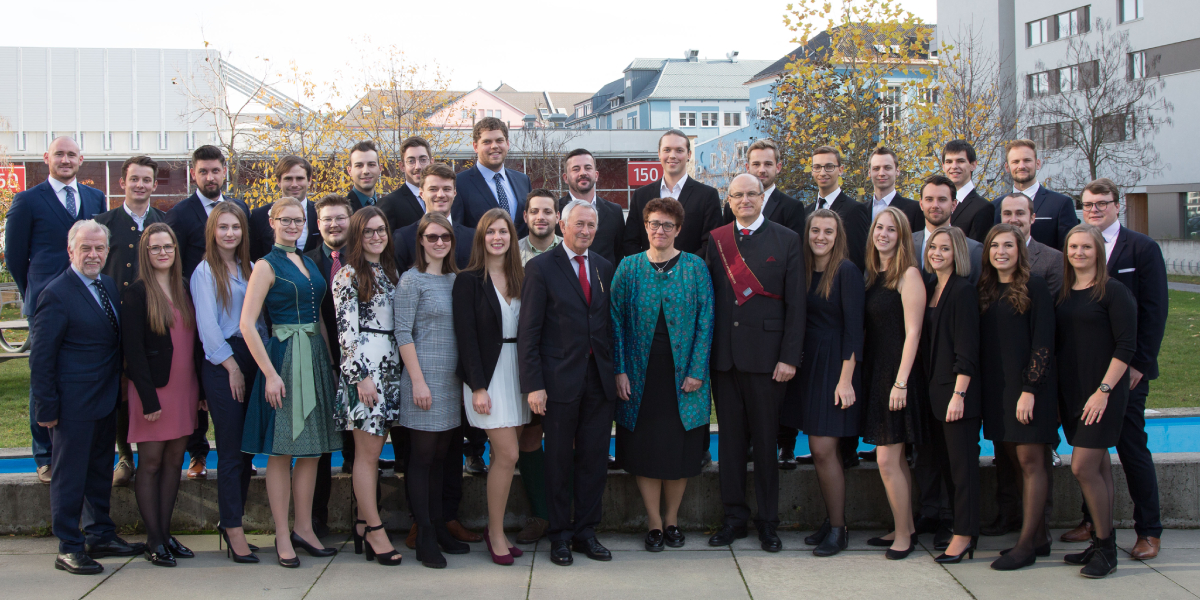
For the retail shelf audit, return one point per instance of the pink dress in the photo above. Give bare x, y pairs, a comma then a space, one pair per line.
179, 399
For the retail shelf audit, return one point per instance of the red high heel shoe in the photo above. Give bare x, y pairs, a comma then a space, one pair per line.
506, 560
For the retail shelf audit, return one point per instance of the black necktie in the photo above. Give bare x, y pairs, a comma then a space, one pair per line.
108, 310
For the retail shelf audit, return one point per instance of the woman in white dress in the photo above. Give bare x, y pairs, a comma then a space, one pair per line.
487, 302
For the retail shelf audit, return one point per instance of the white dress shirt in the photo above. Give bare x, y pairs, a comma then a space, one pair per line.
303, 230
753, 226
962, 192
766, 197
416, 192
209, 203
1110, 239
828, 199
1031, 191
878, 204
138, 220
60, 191
673, 192
587, 267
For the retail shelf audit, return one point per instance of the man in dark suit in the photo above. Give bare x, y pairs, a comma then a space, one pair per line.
757, 270
139, 179
438, 190
75, 361
884, 169
581, 177
762, 161
1055, 212
974, 214
293, 176
701, 203
35, 245
188, 219
1017, 209
827, 173
937, 205
565, 350
1135, 260
404, 206
364, 171
489, 184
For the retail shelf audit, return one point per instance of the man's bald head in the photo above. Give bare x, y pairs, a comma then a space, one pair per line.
64, 158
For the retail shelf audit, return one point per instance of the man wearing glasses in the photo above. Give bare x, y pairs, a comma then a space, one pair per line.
404, 206
827, 173
293, 175
1055, 212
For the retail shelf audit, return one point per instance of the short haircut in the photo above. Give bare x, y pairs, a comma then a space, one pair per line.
439, 170
84, 227
364, 146
572, 205
1016, 195
958, 147
885, 151
679, 133
414, 142
539, 193
141, 161
208, 152
1104, 187
940, 180
488, 124
577, 152
1021, 143
667, 206
763, 144
287, 163
829, 150
330, 200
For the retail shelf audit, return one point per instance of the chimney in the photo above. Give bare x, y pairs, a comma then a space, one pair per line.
692, 55
732, 55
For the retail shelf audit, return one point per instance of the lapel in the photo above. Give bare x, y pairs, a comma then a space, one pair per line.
1119, 247
686, 192
1035, 252
86, 294
56, 207
482, 186
197, 208
411, 200
773, 206
489, 293
564, 263
1039, 198
153, 215
941, 313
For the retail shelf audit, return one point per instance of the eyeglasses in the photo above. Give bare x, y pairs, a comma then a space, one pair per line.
168, 248
434, 238
1098, 206
663, 225
338, 220
740, 195
825, 168
288, 221
378, 231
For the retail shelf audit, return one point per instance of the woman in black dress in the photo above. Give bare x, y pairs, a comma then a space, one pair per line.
894, 307
950, 346
1020, 415
828, 377
1096, 323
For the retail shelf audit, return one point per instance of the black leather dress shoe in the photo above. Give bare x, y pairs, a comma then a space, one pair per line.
160, 556
726, 535
592, 548
769, 539
115, 547
655, 542
926, 525
560, 553
787, 459
673, 536
77, 563
806, 459
474, 466
179, 550
820, 534
614, 464
386, 464
941, 539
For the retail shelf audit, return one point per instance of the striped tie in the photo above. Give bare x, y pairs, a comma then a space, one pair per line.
70, 200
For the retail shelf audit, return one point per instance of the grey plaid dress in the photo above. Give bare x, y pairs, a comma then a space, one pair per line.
424, 317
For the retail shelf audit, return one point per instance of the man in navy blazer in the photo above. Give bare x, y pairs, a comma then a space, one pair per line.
701, 203
1055, 212
35, 244
581, 177
437, 187
293, 176
404, 206
75, 361
1135, 260
488, 184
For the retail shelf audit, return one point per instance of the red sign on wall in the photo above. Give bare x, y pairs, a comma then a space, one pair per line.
12, 179
644, 172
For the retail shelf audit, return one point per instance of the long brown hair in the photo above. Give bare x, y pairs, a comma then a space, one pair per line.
1017, 294
836, 254
159, 315
448, 263
1100, 280
958, 249
514, 272
356, 257
212, 254
904, 257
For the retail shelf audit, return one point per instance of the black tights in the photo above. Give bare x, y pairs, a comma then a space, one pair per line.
1093, 468
1031, 458
159, 466
826, 452
427, 452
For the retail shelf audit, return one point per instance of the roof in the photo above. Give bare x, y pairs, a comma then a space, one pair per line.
819, 44
703, 80
428, 100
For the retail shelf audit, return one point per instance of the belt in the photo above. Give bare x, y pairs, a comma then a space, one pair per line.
379, 331
303, 386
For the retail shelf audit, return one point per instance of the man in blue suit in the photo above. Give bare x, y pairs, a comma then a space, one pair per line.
1055, 212
35, 243
488, 184
75, 359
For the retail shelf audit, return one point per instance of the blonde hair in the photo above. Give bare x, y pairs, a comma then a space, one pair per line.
958, 247
904, 257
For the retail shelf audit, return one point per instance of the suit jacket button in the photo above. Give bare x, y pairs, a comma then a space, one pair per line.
735, 323
128, 264
131, 245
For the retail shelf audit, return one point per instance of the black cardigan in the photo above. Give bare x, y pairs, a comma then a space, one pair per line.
479, 327
954, 347
147, 354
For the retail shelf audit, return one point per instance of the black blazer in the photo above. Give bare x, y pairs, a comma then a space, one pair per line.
474, 197
702, 214
148, 354
317, 254
262, 237
401, 207
609, 241
1055, 216
975, 216
911, 208
782, 209
479, 327
953, 347
122, 264
558, 328
188, 219
764, 331
1137, 262
405, 244
856, 218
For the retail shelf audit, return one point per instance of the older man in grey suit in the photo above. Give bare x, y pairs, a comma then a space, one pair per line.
938, 203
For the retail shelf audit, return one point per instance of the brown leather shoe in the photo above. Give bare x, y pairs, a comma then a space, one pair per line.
197, 469
461, 533
1146, 548
43, 473
1082, 533
123, 474
533, 531
411, 540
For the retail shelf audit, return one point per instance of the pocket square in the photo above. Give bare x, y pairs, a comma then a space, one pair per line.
771, 259
1129, 270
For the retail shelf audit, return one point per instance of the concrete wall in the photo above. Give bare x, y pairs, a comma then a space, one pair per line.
1182, 256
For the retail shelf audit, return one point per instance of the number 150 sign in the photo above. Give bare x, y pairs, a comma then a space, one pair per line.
644, 172
12, 179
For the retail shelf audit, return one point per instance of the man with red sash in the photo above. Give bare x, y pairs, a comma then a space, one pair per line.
757, 270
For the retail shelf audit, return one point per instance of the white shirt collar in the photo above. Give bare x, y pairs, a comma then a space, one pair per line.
1032, 191
753, 226
673, 192
136, 219
1110, 233
767, 194
886, 200
58, 185
571, 254
414, 189
964, 190
831, 197
593, 200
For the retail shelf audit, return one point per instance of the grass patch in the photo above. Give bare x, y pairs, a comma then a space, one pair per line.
14, 404
1184, 279
1178, 382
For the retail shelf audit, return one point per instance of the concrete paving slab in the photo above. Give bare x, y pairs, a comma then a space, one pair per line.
471, 575
793, 540
636, 542
34, 576
639, 575
28, 545
847, 575
1181, 566
1172, 538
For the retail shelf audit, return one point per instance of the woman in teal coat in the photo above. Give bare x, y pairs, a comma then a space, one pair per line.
662, 317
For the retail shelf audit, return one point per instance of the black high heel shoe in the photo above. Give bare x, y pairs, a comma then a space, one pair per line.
223, 535
358, 539
221, 531
289, 563
310, 549
947, 559
390, 559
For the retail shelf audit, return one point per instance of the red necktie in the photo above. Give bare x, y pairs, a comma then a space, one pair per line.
583, 279
336, 264
745, 232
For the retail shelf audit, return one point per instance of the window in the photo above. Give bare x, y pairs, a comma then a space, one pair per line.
1062, 80
628, 78
498, 115
1067, 24
708, 119
1137, 65
467, 114
21, 142
633, 121
481, 115
733, 119
764, 108
1129, 10
929, 95
489, 113
891, 106
1068, 79
191, 140
106, 140
615, 102
620, 123
687, 119
135, 140
1037, 32
1053, 135
1113, 128
366, 110
162, 140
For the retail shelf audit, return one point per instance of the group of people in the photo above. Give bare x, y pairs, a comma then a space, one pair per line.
468, 305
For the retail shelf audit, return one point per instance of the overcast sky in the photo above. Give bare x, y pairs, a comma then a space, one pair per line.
532, 46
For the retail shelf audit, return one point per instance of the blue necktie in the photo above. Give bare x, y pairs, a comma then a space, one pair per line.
501, 197
108, 309
70, 200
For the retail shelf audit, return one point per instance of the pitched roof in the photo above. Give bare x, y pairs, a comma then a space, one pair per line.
819, 46
704, 79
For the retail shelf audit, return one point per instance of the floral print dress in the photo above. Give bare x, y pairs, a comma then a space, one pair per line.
364, 331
